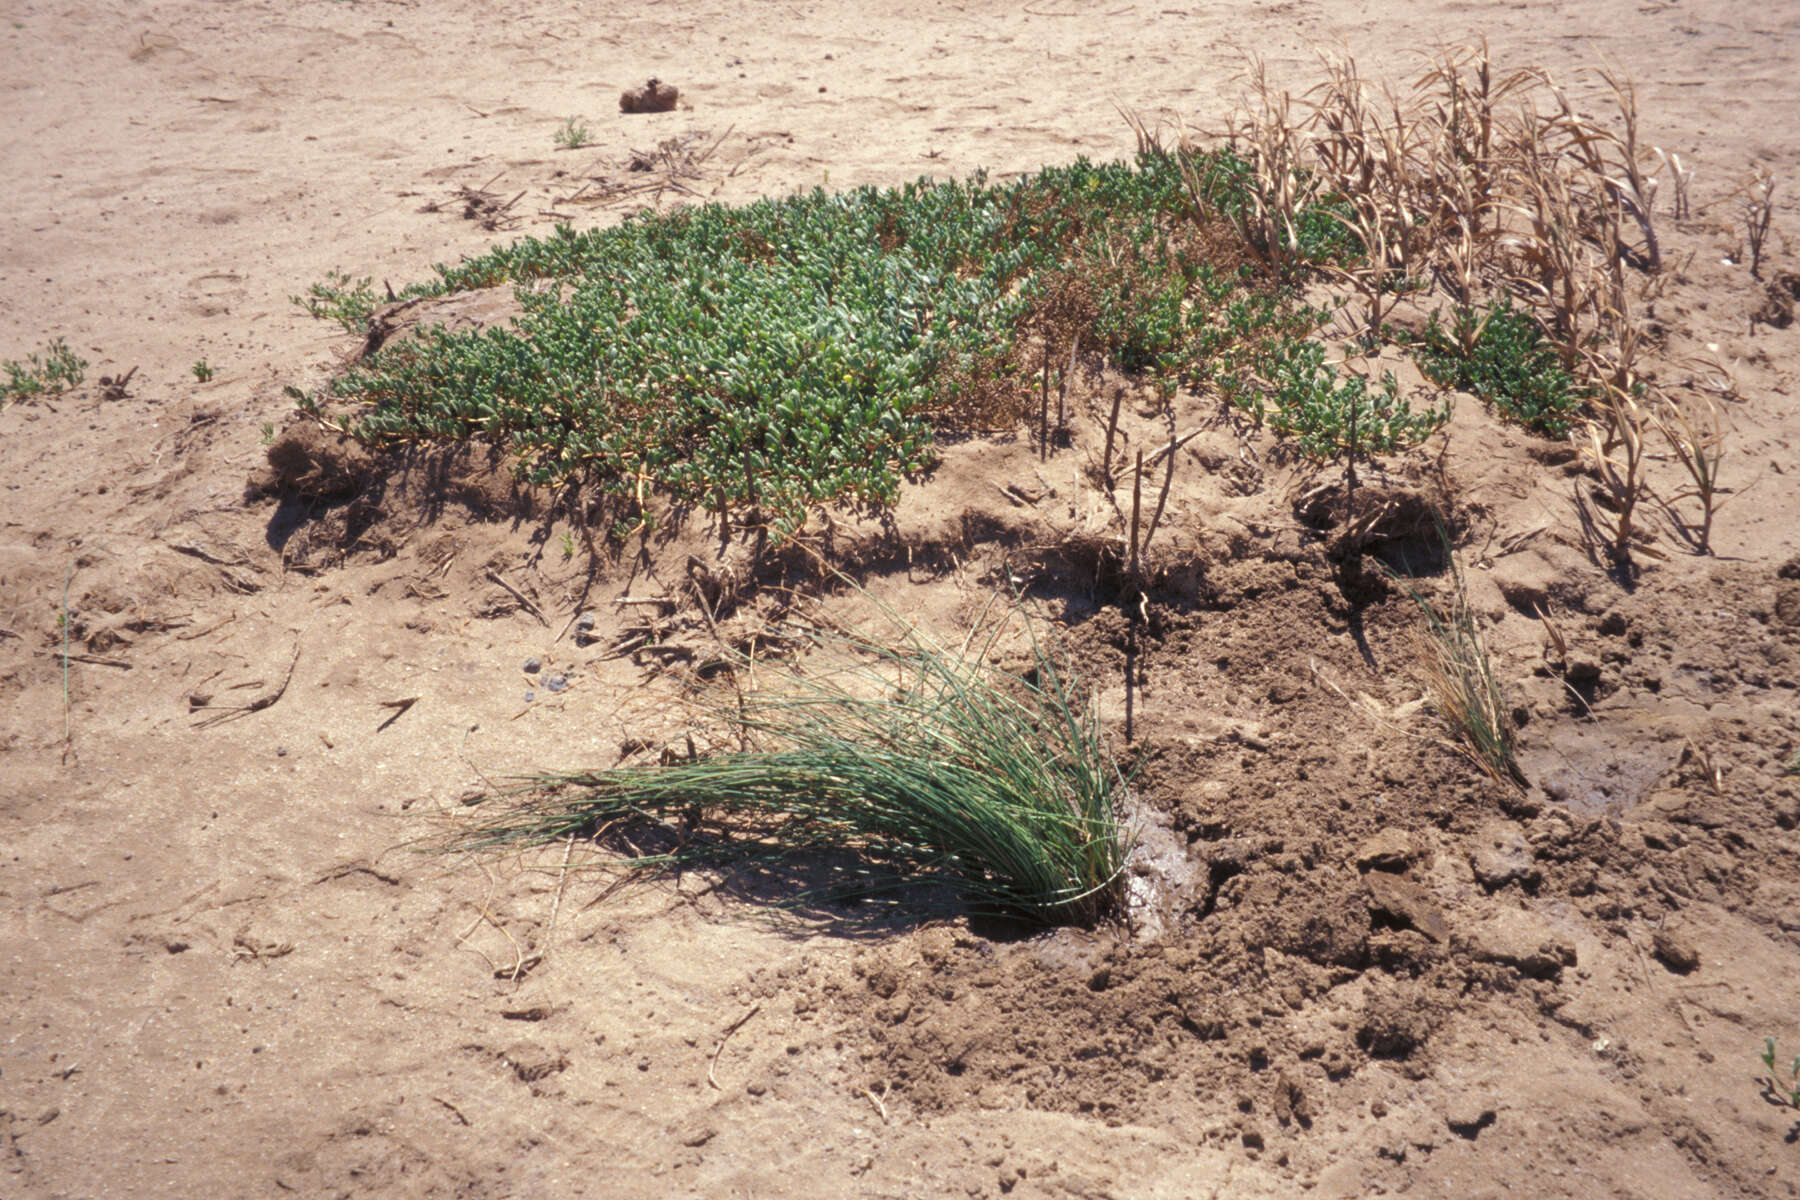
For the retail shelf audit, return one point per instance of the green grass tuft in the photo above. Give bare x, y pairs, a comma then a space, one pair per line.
349, 302
1460, 681
918, 763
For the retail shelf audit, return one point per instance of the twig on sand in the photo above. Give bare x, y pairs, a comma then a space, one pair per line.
726, 1037
455, 1111
562, 881
95, 659
520, 597
400, 708
228, 712
68, 720
876, 1101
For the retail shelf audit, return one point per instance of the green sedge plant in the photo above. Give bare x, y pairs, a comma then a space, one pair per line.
890, 762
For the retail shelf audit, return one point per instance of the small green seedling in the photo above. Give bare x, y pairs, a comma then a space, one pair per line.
268, 432
573, 135
1787, 1091
202, 371
339, 298
568, 544
57, 370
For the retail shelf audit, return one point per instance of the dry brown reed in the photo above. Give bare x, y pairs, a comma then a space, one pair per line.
1696, 438
1487, 185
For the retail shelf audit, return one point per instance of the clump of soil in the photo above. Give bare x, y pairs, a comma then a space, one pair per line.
315, 464
654, 97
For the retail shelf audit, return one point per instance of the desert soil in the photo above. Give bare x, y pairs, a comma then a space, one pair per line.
1359, 965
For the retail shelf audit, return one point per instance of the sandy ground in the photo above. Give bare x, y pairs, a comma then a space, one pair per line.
222, 973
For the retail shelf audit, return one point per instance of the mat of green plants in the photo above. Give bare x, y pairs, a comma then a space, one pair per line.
1377, 966
807, 350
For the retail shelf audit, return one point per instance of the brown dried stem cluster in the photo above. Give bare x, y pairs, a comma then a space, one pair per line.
1484, 186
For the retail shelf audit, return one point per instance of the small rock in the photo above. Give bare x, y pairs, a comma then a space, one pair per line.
584, 629
530, 696
1582, 672
1523, 942
556, 683
533, 666
699, 1134
1389, 850
1409, 904
281, 752
1467, 1116
199, 699
1674, 951
1500, 855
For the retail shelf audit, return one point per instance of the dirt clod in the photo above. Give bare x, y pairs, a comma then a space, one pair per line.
1467, 1116
1675, 951
653, 97
1389, 850
1500, 855
315, 464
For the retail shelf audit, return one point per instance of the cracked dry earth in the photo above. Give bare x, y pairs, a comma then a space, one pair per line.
1358, 966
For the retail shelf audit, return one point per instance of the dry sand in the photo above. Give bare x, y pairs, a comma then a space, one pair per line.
220, 976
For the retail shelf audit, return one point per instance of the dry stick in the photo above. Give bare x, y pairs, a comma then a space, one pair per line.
233, 711
1044, 406
1131, 640
1758, 211
400, 707
68, 720
712, 626
1112, 427
457, 1112
519, 955
1162, 497
1062, 395
726, 1037
520, 597
87, 658
562, 881
876, 1101
1137, 499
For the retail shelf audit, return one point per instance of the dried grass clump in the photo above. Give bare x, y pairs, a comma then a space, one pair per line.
1488, 188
